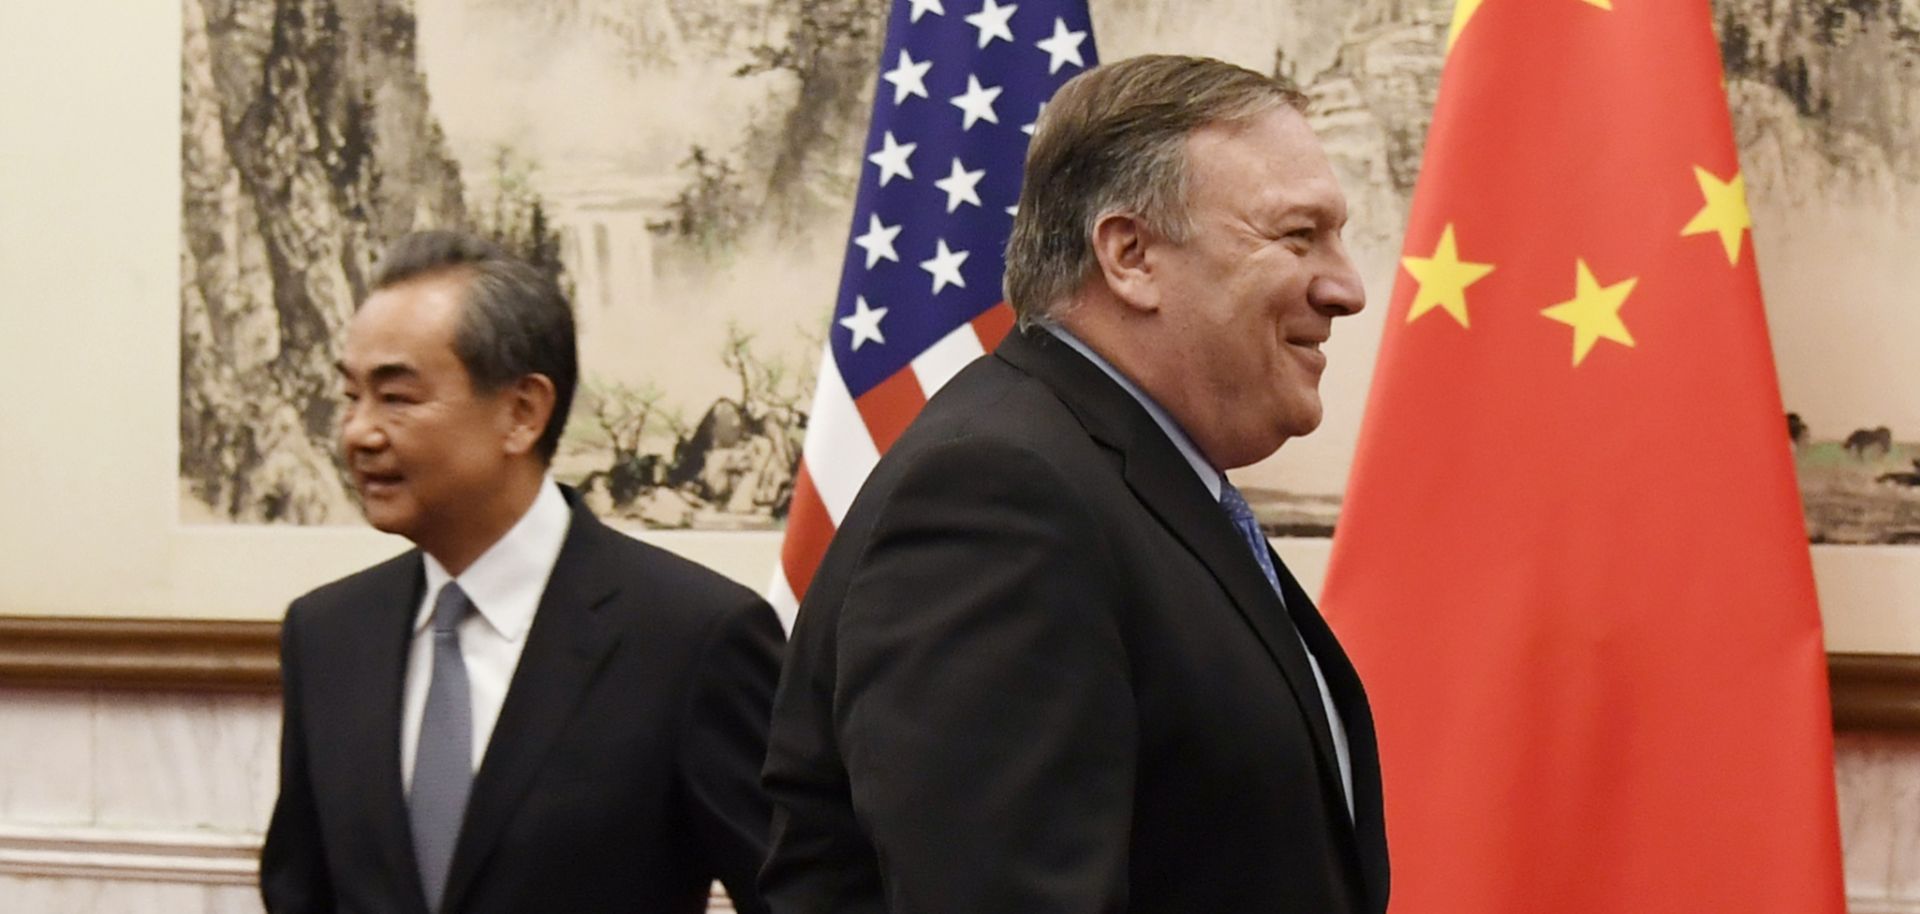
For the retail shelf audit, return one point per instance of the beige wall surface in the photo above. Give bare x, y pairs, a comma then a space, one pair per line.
89, 361
89, 345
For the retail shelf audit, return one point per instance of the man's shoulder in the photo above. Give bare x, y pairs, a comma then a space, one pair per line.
383, 580
994, 435
339, 614
994, 404
649, 575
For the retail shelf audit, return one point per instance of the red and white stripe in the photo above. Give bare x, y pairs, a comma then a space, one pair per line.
845, 438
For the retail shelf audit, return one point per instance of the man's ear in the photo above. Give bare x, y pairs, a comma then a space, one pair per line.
1121, 242
529, 404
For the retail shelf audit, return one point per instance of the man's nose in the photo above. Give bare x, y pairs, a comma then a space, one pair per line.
1338, 289
358, 430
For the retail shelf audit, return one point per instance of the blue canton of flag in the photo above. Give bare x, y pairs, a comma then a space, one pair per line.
961, 84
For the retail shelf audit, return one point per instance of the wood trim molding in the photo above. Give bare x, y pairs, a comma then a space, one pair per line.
1870, 691
180, 655
1875, 691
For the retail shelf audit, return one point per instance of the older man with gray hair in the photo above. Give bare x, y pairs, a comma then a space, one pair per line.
1049, 663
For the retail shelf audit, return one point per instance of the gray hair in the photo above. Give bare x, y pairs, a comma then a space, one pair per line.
516, 321
1114, 140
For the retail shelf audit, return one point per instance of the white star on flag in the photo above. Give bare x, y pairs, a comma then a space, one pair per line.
945, 267
893, 159
992, 21
878, 241
864, 322
959, 185
947, 219
910, 78
977, 102
1063, 47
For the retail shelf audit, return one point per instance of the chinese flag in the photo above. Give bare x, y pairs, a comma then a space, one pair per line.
1571, 566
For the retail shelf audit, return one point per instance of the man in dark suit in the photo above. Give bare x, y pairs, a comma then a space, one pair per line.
1049, 663
531, 711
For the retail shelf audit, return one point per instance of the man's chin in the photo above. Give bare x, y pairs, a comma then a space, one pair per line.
387, 518
1305, 426
1289, 428
1302, 417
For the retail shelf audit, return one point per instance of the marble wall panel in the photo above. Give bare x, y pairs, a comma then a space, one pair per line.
50, 896
1902, 802
185, 762
34, 895
1878, 775
174, 898
46, 767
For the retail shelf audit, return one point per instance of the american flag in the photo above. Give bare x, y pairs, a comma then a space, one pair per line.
961, 83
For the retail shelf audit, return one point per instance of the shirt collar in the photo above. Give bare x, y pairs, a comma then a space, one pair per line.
1209, 474
505, 583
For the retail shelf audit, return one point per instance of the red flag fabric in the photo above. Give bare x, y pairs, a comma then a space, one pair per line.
1571, 565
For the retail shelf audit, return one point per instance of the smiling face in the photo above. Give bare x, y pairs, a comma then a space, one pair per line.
1246, 301
428, 454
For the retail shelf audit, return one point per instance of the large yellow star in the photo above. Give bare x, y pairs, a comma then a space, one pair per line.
1594, 311
1462, 11
1725, 212
1443, 279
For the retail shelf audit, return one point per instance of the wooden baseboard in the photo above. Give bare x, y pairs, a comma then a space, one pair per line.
1870, 691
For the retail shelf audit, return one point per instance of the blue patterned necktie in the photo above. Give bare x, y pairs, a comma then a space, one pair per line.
443, 763
1243, 520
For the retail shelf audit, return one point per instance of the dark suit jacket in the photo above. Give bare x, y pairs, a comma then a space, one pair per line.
621, 776
1039, 671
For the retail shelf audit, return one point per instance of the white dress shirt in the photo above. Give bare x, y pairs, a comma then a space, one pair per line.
505, 585
1211, 477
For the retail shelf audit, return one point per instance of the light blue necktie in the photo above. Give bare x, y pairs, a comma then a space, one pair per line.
443, 763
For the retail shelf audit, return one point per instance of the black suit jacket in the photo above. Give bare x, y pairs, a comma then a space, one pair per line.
621, 776
1039, 671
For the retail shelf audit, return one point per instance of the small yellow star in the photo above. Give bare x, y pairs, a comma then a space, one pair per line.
1462, 11
1594, 311
1443, 279
1603, 4
1725, 212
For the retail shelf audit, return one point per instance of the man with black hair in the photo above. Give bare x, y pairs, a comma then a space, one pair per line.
530, 711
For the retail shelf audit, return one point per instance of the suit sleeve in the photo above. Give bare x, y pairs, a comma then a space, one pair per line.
293, 865
984, 706
724, 742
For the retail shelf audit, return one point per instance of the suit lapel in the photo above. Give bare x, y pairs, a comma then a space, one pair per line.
1209, 535
565, 647
1165, 482
373, 671
1369, 832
